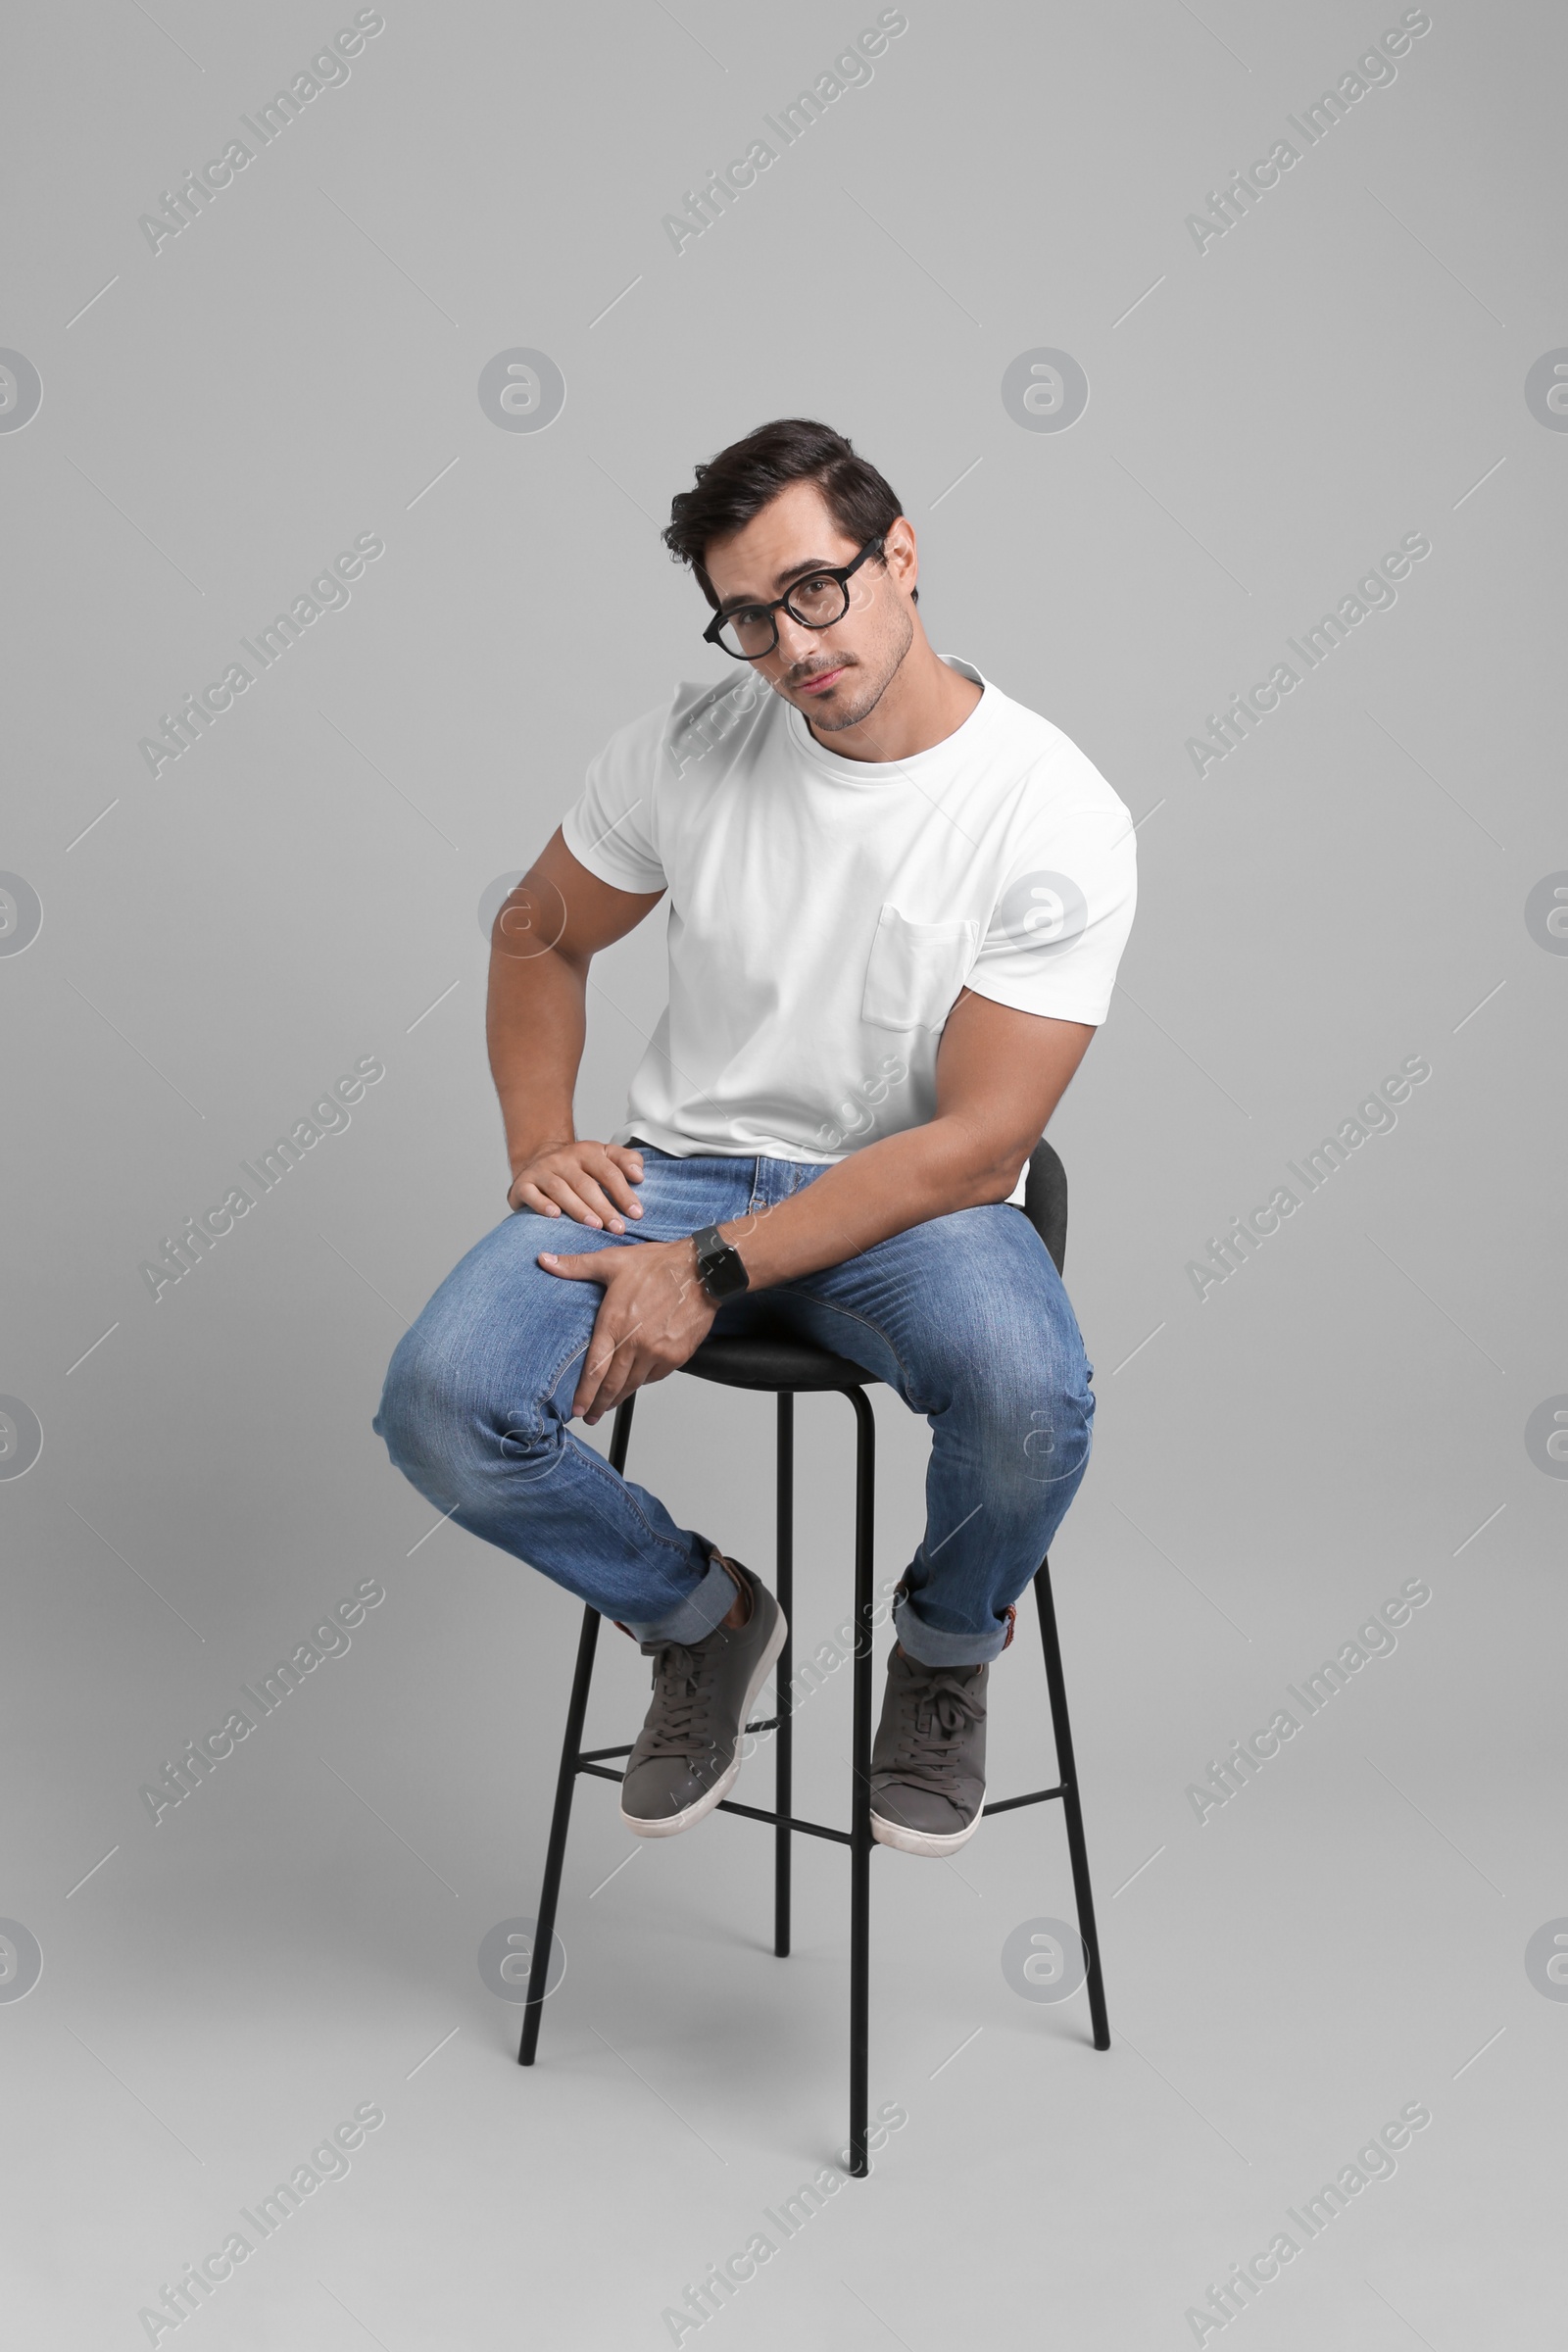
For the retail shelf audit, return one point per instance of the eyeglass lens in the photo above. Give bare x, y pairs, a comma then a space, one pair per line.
815, 603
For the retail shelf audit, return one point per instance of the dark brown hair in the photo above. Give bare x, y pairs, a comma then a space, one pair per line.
740, 481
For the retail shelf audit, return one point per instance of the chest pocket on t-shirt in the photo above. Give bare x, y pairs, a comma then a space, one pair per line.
915, 970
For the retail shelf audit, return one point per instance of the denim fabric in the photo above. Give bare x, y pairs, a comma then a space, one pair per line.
964, 1317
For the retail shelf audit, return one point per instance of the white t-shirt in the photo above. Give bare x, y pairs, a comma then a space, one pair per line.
824, 913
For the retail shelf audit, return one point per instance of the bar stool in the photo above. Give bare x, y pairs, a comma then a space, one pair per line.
788, 1367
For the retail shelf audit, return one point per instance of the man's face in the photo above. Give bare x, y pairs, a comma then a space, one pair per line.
835, 676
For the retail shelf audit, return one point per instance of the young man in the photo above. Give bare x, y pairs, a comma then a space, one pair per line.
897, 903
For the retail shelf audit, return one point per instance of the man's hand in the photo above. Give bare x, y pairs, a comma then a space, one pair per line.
588, 1181
654, 1314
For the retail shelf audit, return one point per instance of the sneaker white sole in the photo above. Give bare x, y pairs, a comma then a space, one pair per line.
705, 1804
923, 1842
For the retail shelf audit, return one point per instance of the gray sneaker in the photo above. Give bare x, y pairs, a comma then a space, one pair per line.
928, 1761
688, 1753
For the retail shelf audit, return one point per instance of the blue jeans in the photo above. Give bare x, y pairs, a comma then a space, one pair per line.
964, 1317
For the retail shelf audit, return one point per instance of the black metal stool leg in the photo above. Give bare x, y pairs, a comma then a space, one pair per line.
860, 1795
1072, 1807
566, 1782
560, 1822
784, 1593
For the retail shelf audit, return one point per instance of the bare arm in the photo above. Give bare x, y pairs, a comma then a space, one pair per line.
547, 932
1000, 1076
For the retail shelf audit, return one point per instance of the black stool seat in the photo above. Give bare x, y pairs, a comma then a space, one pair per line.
778, 1361
762, 1361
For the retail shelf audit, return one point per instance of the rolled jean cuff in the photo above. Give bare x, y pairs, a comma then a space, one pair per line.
933, 1648
694, 1617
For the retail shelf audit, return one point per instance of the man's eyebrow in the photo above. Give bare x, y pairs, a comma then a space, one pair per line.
781, 580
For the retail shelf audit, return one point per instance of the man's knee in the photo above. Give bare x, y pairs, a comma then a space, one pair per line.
442, 1420
416, 1407
1054, 1443
1032, 1409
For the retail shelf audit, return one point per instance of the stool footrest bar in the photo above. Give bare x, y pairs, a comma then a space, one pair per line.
1036, 1796
811, 1829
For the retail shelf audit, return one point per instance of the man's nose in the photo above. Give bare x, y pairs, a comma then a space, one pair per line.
795, 642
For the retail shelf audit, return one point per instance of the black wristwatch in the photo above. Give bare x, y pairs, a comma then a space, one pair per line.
720, 1268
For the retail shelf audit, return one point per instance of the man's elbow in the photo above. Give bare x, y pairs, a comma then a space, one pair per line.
1000, 1185
994, 1168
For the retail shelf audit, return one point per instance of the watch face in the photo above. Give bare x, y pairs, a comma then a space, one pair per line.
720, 1269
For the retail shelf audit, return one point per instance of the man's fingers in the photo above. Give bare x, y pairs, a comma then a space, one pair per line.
586, 1266
601, 1387
597, 1388
620, 1190
625, 1168
600, 1200
609, 1369
591, 1202
629, 1367
596, 1363
561, 1190
590, 1183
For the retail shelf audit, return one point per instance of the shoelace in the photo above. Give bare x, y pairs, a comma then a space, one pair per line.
683, 1685
931, 1721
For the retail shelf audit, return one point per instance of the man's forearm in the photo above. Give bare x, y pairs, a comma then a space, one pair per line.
882, 1188
535, 1023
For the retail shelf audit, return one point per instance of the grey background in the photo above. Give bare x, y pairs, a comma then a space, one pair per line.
1348, 889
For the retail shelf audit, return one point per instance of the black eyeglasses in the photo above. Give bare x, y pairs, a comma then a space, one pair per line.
815, 602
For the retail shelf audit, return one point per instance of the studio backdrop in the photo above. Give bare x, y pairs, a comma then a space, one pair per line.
348, 366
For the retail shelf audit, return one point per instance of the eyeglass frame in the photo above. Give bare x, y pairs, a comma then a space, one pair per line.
713, 634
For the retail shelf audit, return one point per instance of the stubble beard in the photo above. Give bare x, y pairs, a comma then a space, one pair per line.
864, 698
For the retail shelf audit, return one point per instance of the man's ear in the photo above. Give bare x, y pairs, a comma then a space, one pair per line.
901, 553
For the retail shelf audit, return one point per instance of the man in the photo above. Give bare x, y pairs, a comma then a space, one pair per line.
897, 903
